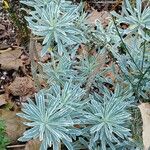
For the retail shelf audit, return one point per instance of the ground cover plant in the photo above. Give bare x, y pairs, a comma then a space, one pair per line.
4, 141
95, 76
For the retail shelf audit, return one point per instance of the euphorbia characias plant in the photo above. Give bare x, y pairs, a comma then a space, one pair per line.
68, 114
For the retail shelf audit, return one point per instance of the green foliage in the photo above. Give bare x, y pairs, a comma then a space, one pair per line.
4, 141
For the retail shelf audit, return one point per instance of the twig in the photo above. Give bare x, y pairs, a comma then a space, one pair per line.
38, 38
16, 146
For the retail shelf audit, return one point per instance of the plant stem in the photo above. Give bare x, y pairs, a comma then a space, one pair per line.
124, 45
38, 60
33, 63
148, 69
142, 65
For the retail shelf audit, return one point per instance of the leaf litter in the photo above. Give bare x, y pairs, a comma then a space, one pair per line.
14, 127
11, 59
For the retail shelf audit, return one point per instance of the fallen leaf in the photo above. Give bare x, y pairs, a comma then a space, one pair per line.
14, 125
33, 145
2, 99
10, 59
2, 27
21, 86
145, 113
103, 16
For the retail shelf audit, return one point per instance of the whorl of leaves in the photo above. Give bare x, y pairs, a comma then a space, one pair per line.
53, 115
56, 26
107, 117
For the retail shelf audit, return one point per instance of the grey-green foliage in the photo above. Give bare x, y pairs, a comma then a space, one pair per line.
108, 117
99, 37
60, 69
131, 51
137, 18
70, 96
53, 115
56, 26
135, 65
63, 69
39, 3
107, 35
86, 67
65, 5
66, 112
55, 112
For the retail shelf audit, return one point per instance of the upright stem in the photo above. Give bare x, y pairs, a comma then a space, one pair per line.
124, 45
147, 70
33, 63
38, 60
142, 65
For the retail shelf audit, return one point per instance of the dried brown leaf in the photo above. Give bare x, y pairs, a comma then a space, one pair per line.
10, 59
2, 27
2, 99
145, 113
103, 16
14, 125
21, 86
